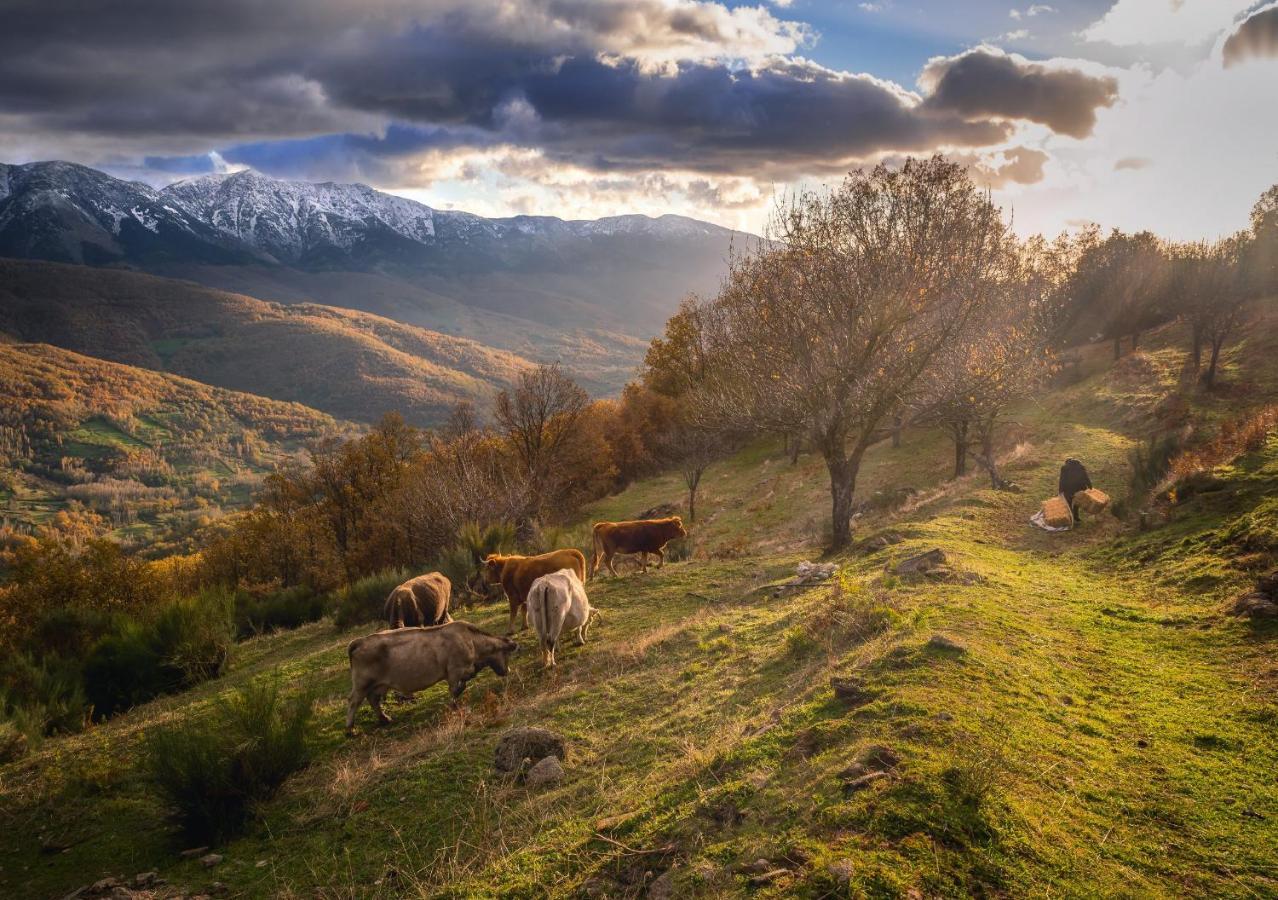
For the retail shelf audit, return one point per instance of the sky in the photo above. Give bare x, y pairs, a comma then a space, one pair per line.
1135, 114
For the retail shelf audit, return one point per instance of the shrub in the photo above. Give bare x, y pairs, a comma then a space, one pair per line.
187, 642
1149, 462
365, 600
42, 696
479, 541
1236, 437
288, 608
214, 772
13, 743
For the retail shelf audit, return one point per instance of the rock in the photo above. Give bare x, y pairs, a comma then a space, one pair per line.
806, 744
1268, 584
519, 744
880, 542
1255, 605
105, 884
261, 864
841, 871
921, 563
860, 784
851, 690
662, 887
757, 867
218, 887
547, 771
194, 852
880, 757
807, 573
939, 643
209, 860
726, 814
145, 879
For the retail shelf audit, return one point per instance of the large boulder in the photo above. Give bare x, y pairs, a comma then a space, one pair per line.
1256, 605
520, 744
547, 771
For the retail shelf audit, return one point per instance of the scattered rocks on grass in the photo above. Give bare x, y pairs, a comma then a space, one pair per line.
663, 886
921, 564
520, 744
1260, 603
941, 644
146, 879
805, 574
209, 860
547, 771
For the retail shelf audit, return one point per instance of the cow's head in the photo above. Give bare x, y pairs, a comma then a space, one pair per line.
493, 567
499, 661
676, 526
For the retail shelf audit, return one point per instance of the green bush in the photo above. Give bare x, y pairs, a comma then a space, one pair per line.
1149, 462
281, 610
214, 772
187, 642
364, 600
42, 696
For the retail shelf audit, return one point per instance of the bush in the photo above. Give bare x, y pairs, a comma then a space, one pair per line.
284, 609
13, 743
364, 600
1149, 462
187, 642
214, 772
42, 696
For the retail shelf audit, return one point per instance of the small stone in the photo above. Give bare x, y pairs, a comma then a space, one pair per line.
105, 884
145, 879
519, 744
194, 852
662, 887
921, 563
851, 690
548, 771
841, 871
941, 643
860, 784
217, 887
260, 864
767, 877
209, 860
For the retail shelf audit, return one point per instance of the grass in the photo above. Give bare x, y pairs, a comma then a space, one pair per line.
1105, 731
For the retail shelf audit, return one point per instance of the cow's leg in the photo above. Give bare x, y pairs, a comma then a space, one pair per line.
611, 560
514, 611
457, 684
581, 634
643, 561
352, 707
375, 701
661, 557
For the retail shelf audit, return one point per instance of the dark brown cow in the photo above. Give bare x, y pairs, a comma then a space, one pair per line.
643, 536
419, 602
517, 573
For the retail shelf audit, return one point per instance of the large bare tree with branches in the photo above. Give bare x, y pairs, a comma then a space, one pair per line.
827, 326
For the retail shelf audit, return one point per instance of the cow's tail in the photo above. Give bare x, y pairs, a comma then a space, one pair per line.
352, 647
597, 547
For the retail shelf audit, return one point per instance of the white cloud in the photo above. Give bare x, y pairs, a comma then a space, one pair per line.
1037, 9
1142, 22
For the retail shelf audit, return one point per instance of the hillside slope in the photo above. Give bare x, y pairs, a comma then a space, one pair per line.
351, 365
152, 453
1100, 729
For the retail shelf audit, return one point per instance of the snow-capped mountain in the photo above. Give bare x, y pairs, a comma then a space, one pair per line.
72, 213
351, 245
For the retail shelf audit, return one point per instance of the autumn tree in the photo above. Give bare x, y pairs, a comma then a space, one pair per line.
539, 418
1209, 287
825, 327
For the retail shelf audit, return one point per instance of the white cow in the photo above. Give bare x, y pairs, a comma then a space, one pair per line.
557, 603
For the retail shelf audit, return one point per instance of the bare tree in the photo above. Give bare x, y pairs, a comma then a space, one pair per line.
538, 418
825, 328
1209, 288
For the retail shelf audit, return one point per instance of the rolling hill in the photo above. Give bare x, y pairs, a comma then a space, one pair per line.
349, 364
153, 453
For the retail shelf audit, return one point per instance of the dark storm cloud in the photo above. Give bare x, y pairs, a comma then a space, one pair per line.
1257, 36
986, 82
321, 86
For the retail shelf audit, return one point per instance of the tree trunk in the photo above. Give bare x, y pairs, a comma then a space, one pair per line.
692, 478
1209, 377
842, 485
795, 446
1196, 346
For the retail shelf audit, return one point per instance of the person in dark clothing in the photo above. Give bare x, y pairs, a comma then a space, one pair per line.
1074, 478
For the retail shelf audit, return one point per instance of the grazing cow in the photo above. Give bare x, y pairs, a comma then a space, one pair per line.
557, 603
1074, 478
517, 573
420, 602
643, 537
412, 659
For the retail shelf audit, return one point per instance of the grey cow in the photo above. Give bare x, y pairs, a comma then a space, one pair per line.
412, 659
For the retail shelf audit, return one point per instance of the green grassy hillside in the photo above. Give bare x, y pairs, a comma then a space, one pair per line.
1097, 726
349, 364
154, 454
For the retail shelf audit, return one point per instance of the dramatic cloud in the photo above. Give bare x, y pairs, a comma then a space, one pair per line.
989, 83
1143, 22
1257, 36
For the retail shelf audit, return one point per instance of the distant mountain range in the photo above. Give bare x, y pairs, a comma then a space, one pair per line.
349, 245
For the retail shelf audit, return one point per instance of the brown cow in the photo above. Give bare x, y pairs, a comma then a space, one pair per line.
643, 536
517, 573
412, 659
420, 602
